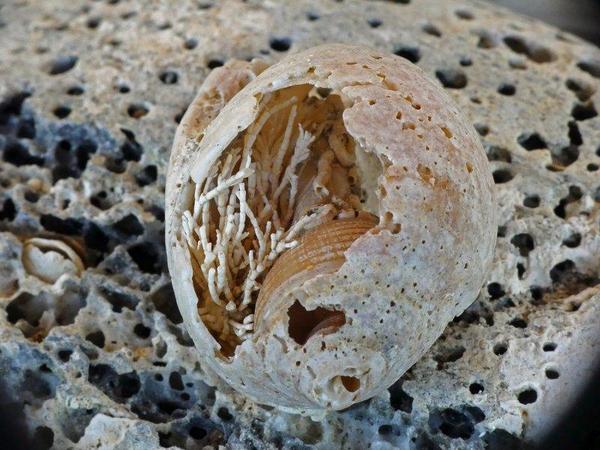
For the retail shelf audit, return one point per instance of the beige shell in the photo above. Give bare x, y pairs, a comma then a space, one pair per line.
49, 259
324, 223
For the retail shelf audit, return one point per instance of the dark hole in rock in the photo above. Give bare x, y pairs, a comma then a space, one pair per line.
305, 323
581, 89
224, 414
61, 111
123, 88
495, 153
399, 399
28, 307
55, 224
164, 301
119, 387
584, 111
507, 89
520, 270
572, 241
575, 194
501, 231
465, 61
63, 172
137, 110
93, 22
96, 338
129, 226
552, 374
532, 141
62, 152
12, 106
500, 439
476, 388
146, 256
452, 78
312, 16
431, 30
452, 423
43, 438
500, 348
464, 14
175, 381
476, 413
197, 433
65, 355
131, 149
413, 54
524, 242
35, 387
164, 439
8, 211
575, 134
190, 43
502, 176
532, 201
560, 271
18, 155
527, 396
142, 331
31, 197
592, 67
62, 64
118, 299
214, 63
533, 51
280, 44
564, 157
83, 152
495, 291
592, 167
147, 175
483, 130
373, 23
518, 322
386, 430
169, 77
537, 294
549, 347
448, 355
26, 129
95, 238
75, 90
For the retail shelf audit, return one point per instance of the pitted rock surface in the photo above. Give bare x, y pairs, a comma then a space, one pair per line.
90, 97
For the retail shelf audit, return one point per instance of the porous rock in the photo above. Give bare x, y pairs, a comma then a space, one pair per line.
90, 98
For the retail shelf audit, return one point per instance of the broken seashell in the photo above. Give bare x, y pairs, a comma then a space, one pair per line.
326, 218
49, 259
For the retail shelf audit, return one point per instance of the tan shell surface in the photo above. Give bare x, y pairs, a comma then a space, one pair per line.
401, 284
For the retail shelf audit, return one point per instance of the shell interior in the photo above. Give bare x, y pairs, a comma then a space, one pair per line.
294, 168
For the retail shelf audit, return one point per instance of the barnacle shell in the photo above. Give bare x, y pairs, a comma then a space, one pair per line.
335, 136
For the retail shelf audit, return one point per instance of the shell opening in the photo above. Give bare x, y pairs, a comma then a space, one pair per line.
304, 323
293, 169
352, 384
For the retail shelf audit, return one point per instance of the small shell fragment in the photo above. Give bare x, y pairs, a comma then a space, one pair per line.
49, 259
326, 218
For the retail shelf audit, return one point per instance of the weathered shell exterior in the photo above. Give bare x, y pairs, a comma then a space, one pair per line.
398, 287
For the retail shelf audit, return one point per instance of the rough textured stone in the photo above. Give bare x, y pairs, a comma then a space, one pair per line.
90, 96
